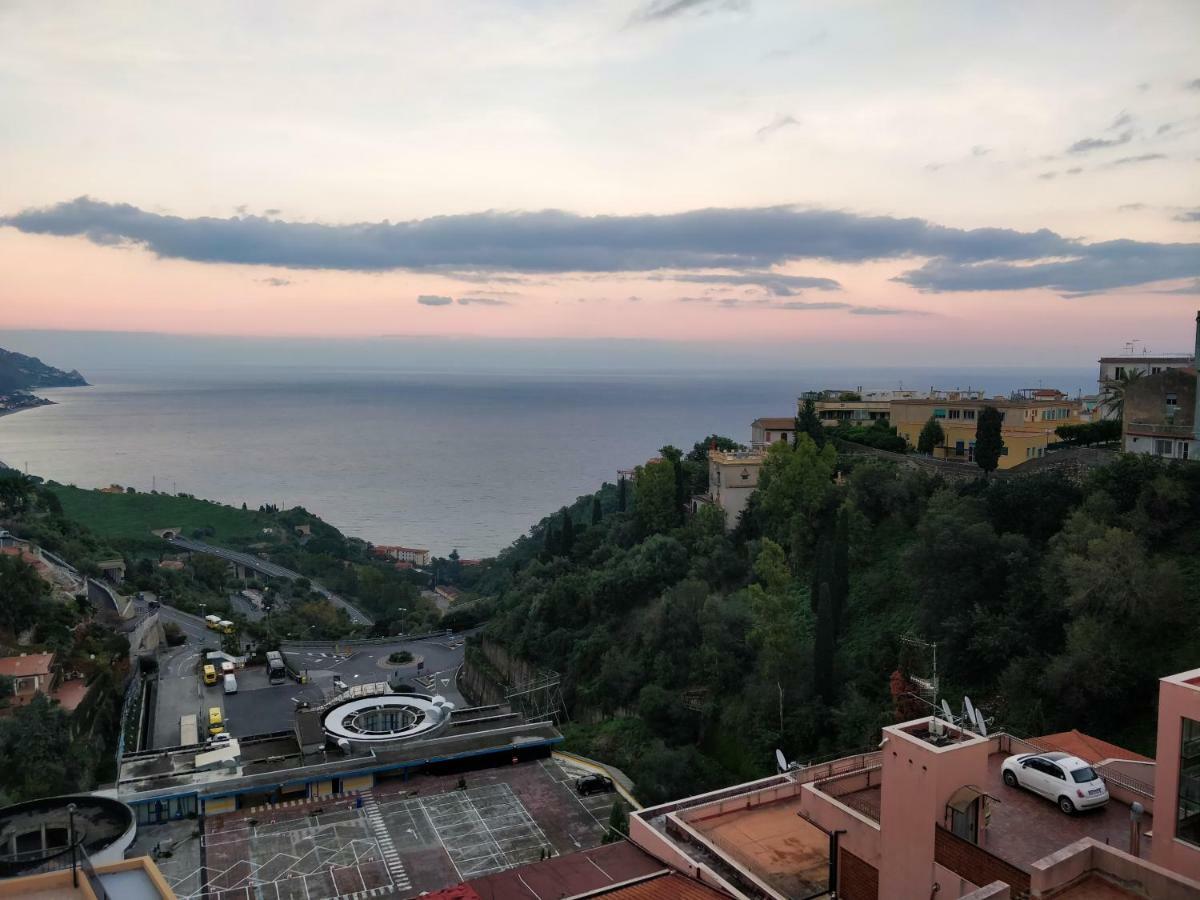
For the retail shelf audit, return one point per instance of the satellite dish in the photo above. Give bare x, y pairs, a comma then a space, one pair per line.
981, 723
781, 761
970, 710
946, 712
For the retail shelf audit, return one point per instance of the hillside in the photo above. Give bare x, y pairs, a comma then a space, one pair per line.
135, 516
19, 372
689, 654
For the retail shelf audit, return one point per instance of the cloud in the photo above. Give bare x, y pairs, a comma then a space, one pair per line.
1131, 207
801, 306
1129, 160
980, 150
1120, 121
1190, 215
275, 282
1188, 289
1089, 144
772, 283
482, 301
746, 240
662, 10
1048, 176
1193, 85
434, 300
272, 212
1092, 268
1164, 128
1075, 170
776, 124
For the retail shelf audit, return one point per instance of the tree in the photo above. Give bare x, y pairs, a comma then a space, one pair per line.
597, 513
931, 436
808, 422
654, 497
674, 456
21, 592
618, 823
1112, 399
567, 541
621, 501
989, 443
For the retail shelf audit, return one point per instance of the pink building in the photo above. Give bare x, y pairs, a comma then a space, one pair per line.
928, 814
1177, 781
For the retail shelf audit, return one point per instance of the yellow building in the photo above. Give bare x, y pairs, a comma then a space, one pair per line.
1027, 430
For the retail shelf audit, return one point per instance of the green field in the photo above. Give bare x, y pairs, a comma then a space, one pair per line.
134, 516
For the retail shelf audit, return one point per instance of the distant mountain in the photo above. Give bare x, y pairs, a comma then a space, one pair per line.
19, 372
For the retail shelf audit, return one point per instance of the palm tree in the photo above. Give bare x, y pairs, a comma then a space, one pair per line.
1112, 400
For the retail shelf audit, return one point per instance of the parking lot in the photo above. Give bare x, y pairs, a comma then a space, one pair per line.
402, 837
260, 707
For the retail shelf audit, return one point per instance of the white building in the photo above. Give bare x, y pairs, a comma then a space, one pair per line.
732, 478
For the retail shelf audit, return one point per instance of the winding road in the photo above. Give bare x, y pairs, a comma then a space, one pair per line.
262, 566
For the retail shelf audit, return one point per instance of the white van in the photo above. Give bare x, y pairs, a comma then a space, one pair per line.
230, 683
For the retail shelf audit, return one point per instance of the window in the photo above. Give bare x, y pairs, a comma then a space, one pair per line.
939, 414
1163, 448
1004, 451
968, 414
1119, 373
954, 414
1187, 822
1084, 775
1154, 370
1172, 401
958, 448
1184, 447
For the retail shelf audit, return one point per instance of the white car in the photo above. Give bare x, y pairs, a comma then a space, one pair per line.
1067, 780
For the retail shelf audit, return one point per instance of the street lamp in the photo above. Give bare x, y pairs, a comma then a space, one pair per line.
71, 838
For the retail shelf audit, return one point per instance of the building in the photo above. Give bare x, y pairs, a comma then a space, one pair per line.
732, 478
1114, 368
412, 555
1028, 425
1176, 844
768, 430
928, 814
1161, 414
112, 569
138, 877
32, 674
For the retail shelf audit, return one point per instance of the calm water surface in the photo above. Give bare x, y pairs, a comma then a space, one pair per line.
437, 461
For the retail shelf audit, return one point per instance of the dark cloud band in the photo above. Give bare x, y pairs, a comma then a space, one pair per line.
748, 241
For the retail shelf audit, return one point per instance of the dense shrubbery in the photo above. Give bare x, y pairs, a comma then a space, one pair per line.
1100, 432
696, 652
879, 434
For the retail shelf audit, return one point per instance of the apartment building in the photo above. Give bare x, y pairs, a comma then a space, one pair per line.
1028, 424
929, 814
1161, 415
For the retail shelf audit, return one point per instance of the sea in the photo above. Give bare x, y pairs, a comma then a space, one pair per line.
439, 460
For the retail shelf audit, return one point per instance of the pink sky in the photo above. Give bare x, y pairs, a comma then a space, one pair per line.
1084, 120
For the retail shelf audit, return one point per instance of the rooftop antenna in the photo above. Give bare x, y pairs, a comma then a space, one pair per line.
981, 722
969, 712
946, 714
782, 764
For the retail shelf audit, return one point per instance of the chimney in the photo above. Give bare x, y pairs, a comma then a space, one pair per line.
1196, 366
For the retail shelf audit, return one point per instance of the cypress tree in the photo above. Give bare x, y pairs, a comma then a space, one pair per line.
989, 443
621, 495
824, 644
808, 422
568, 532
597, 514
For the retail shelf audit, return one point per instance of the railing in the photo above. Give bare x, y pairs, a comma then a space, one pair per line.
1164, 428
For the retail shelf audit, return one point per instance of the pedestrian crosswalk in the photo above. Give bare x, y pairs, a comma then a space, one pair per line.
391, 858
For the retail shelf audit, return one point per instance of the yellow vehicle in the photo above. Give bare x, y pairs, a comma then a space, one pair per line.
216, 724
213, 622
225, 626
210, 674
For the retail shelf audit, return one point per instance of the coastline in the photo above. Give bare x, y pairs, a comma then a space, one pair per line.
44, 402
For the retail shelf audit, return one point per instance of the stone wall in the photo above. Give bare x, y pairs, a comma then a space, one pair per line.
1072, 463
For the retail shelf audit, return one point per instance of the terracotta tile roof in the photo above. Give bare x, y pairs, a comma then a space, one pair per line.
24, 666
1086, 747
666, 887
778, 423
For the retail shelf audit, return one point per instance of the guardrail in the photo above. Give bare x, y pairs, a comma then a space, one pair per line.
365, 642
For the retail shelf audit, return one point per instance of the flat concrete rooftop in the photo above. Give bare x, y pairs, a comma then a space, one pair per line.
773, 842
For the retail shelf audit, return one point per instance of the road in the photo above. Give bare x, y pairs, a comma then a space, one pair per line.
357, 616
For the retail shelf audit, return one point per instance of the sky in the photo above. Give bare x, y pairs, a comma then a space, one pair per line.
951, 183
